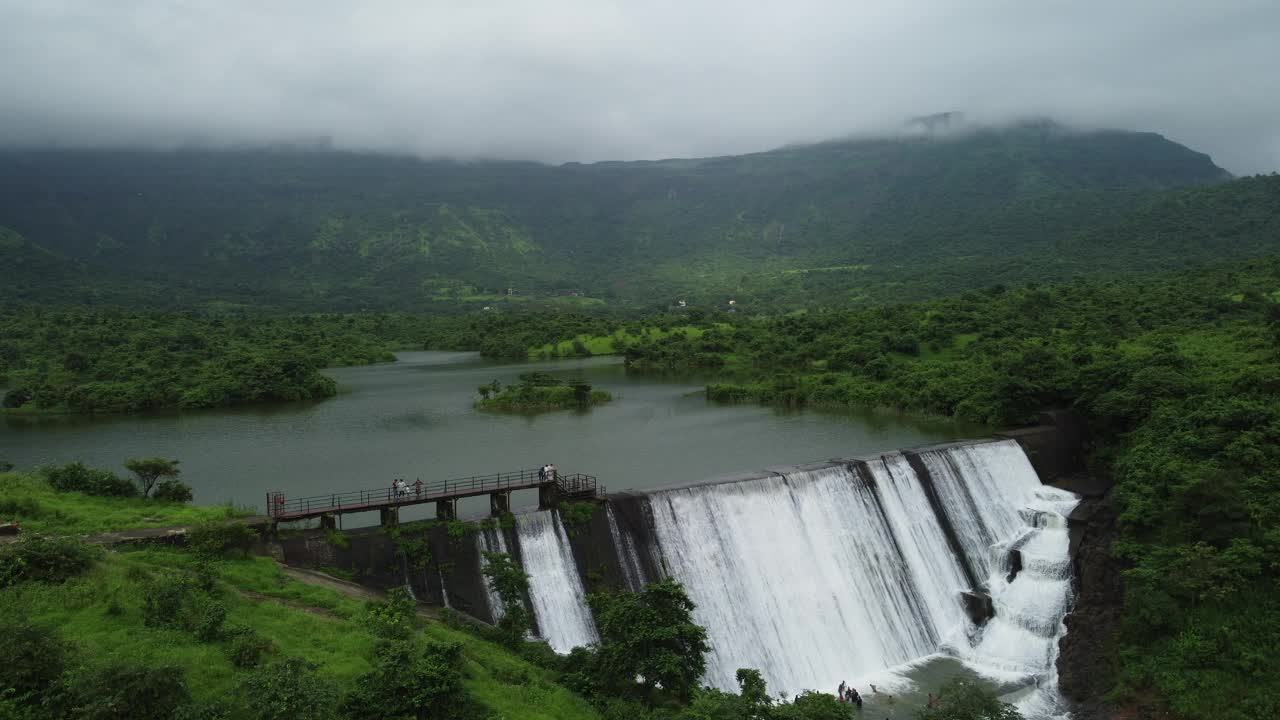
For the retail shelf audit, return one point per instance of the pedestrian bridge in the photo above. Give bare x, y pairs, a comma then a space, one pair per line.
444, 493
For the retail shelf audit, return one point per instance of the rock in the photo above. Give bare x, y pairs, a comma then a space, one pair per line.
1087, 659
978, 606
1015, 565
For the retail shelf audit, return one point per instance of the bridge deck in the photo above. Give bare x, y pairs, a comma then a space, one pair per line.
282, 509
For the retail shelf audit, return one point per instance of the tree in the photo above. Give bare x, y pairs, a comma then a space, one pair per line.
651, 635
964, 700
149, 471
511, 583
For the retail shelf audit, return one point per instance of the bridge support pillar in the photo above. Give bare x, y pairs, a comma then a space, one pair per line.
500, 502
447, 509
389, 517
329, 521
548, 496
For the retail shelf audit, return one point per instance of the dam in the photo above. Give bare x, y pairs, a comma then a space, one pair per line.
847, 570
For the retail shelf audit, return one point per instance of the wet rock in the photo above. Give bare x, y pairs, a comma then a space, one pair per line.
1015, 565
978, 606
1087, 659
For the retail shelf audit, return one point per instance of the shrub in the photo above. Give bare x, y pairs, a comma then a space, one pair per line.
77, 477
127, 692
289, 690
222, 539
33, 660
172, 491
409, 681
391, 619
44, 559
207, 619
5, 466
163, 599
247, 647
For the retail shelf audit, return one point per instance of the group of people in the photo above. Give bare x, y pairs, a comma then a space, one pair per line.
848, 694
547, 473
401, 488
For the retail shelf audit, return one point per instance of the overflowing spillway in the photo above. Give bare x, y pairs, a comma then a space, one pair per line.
846, 570
555, 590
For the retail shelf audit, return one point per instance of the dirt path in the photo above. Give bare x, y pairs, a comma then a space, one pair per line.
348, 588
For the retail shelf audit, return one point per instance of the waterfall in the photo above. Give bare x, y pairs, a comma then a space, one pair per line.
555, 589
491, 540
1025, 515
848, 571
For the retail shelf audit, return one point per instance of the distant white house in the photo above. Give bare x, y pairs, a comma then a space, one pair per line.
733, 302
682, 304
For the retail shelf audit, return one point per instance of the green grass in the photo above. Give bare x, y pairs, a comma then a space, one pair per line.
606, 344
27, 498
315, 623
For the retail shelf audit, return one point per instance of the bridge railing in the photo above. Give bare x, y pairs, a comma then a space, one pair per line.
279, 505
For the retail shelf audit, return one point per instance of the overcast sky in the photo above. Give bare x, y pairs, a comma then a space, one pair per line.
559, 80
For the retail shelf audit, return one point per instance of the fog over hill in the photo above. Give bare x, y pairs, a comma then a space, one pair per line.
561, 80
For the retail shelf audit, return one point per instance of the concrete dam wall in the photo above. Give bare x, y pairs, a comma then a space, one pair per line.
812, 574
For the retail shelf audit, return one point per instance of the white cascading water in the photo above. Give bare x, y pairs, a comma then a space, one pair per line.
825, 575
555, 589
797, 576
491, 540
1030, 517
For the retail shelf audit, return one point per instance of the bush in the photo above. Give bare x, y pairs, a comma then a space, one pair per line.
172, 491
126, 692
289, 690
77, 477
222, 539
44, 559
391, 619
247, 647
33, 659
208, 616
164, 597
409, 681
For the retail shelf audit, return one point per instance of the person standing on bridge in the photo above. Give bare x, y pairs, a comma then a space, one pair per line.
551, 472
417, 488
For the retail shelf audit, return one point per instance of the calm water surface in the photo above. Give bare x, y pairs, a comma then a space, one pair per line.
414, 419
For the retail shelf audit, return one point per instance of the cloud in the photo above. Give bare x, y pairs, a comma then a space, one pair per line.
559, 80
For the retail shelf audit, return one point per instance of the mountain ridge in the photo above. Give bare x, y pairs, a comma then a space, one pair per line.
339, 230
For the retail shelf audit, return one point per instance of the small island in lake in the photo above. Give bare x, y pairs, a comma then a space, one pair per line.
540, 392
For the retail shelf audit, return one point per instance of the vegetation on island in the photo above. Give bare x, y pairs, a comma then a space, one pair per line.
540, 392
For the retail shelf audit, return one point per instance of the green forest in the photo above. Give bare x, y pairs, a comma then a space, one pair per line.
836, 223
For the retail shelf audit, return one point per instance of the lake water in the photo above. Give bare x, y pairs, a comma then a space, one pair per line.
414, 419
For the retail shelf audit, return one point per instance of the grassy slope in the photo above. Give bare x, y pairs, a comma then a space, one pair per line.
100, 611
27, 498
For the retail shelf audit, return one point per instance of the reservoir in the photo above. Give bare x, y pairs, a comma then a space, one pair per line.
415, 419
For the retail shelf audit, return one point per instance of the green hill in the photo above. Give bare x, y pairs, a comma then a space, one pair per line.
340, 230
